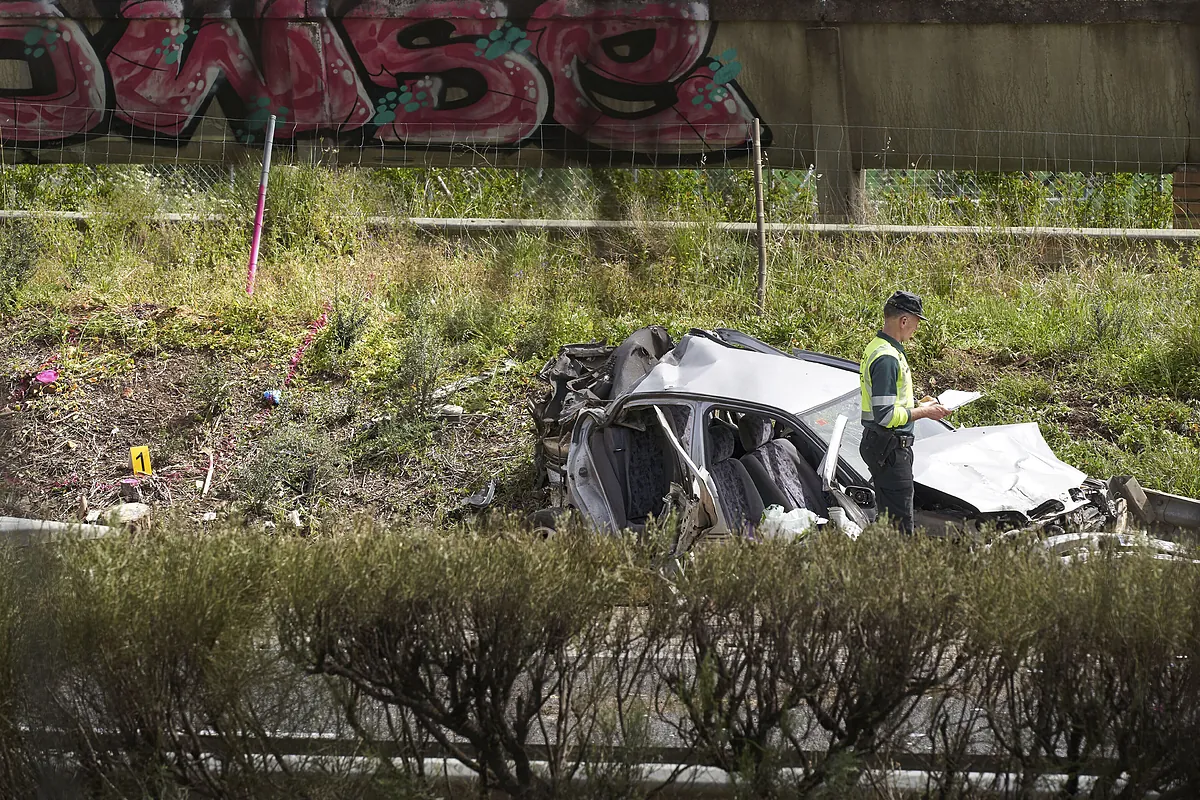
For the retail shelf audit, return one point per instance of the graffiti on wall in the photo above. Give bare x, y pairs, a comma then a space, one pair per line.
638, 79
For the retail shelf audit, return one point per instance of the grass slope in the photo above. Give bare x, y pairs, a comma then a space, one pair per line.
157, 343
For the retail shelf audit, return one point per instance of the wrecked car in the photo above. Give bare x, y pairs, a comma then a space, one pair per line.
719, 426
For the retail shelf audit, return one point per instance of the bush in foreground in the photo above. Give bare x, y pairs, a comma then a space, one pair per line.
235, 664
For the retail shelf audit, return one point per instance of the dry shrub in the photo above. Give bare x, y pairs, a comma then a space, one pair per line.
805, 654
1089, 669
295, 465
164, 675
494, 647
169, 663
20, 770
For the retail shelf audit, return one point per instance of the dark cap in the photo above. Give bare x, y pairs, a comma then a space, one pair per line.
906, 303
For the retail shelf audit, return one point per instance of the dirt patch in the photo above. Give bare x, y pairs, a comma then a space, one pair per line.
65, 445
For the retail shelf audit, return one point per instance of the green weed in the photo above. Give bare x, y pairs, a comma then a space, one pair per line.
294, 466
18, 256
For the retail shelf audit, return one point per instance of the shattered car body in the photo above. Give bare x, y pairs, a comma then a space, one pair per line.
721, 425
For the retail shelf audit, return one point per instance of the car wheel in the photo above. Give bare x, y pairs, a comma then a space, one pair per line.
545, 522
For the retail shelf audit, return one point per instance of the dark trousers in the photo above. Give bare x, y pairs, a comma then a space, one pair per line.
892, 471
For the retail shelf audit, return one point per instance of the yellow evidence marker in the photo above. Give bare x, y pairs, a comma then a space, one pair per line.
140, 456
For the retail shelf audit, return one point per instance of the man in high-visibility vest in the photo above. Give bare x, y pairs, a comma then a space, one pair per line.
888, 413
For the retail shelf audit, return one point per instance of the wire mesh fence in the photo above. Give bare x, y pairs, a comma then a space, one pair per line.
904, 197
620, 171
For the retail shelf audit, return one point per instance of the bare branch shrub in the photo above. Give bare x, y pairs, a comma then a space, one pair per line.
1089, 669
235, 664
296, 464
164, 672
20, 771
493, 645
809, 652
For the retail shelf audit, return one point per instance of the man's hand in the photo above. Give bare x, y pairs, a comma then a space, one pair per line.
930, 411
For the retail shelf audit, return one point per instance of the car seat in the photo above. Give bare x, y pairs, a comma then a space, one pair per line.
739, 500
778, 471
636, 465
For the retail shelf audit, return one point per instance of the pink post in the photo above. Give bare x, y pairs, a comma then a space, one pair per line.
262, 202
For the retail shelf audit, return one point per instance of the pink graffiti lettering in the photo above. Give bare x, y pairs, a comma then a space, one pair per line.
638, 80
60, 81
310, 71
451, 73
165, 72
636, 77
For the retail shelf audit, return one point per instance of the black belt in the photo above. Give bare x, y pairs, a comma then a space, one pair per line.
903, 440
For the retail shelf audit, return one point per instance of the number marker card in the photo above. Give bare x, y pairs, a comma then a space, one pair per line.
140, 456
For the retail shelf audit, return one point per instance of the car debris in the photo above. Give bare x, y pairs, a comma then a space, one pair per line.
719, 426
481, 499
442, 392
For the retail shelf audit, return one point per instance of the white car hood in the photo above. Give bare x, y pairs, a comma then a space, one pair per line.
994, 468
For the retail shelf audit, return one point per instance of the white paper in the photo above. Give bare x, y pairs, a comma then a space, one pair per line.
952, 398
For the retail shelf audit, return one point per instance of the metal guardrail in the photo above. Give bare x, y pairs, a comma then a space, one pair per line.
669, 771
494, 225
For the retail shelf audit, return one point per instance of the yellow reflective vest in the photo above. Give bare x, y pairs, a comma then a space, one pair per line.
886, 386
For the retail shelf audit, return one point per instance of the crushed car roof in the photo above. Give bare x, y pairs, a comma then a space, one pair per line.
699, 366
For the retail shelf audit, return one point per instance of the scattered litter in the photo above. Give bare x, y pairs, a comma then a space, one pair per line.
39, 381
207, 478
272, 397
838, 518
209, 516
779, 524
483, 499
448, 410
127, 393
92, 515
294, 518
268, 525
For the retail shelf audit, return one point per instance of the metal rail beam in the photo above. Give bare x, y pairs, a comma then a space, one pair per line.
830, 230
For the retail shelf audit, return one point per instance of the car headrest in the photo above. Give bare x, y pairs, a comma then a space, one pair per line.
755, 431
723, 443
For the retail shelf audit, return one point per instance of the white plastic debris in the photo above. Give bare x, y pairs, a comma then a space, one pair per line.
294, 518
837, 516
779, 524
209, 516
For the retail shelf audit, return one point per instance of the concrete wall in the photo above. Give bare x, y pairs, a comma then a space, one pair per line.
842, 84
